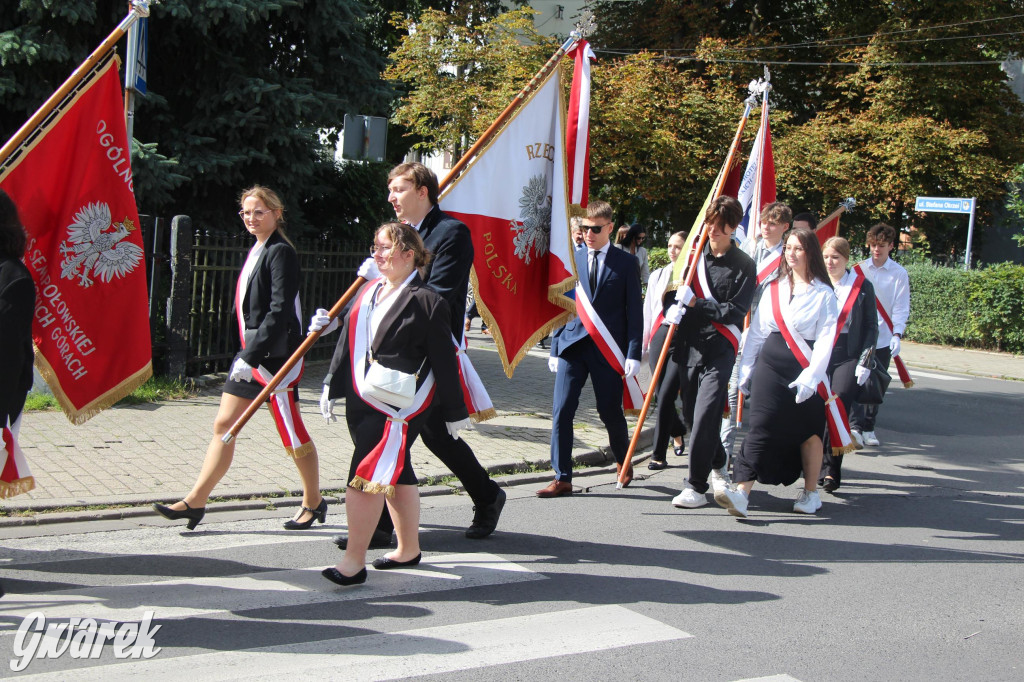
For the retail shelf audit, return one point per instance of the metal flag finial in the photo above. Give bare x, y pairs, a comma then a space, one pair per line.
848, 203
141, 7
585, 25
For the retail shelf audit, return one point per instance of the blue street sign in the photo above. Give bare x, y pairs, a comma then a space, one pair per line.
944, 205
137, 53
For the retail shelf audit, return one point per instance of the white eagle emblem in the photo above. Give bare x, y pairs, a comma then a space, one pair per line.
94, 245
534, 232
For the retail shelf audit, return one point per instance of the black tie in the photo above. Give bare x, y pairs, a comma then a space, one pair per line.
593, 271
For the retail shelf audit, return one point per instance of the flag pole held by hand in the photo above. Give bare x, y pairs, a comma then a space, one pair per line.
307, 343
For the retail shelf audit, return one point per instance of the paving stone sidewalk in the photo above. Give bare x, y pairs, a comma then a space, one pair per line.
143, 453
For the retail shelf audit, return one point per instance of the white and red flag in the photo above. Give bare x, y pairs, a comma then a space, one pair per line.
513, 198
72, 182
577, 137
757, 188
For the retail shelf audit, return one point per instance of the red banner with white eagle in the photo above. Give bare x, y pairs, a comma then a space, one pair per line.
72, 182
512, 197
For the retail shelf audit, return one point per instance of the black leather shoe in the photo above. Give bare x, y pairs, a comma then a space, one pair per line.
339, 578
379, 540
485, 517
384, 563
830, 485
679, 450
194, 516
657, 465
318, 514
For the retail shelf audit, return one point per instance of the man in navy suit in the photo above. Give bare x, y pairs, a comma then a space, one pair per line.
610, 280
413, 193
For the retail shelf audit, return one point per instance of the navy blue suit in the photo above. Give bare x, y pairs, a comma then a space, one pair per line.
619, 304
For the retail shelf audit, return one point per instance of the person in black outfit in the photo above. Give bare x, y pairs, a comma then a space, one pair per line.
413, 192
710, 317
853, 354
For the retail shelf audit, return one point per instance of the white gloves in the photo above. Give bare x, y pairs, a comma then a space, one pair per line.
674, 315
744, 387
322, 320
684, 295
455, 427
631, 368
862, 375
553, 363
368, 270
240, 371
894, 346
805, 385
327, 405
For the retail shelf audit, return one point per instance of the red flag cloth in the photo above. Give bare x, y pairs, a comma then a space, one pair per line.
512, 197
828, 229
577, 136
72, 182
15, 477
732, 183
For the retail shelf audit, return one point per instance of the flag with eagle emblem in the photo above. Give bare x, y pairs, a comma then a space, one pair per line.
72, 182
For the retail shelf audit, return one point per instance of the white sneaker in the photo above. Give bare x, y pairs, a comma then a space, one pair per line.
870, 438
689, 498
733, 500
720, 479
858, 439
807, 502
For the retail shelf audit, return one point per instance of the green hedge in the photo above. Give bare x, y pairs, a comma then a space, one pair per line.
981, 308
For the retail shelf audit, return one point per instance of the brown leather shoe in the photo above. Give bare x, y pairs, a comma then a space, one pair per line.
556, 489
629, 474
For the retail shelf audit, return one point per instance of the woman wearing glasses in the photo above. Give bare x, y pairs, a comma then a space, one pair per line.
399, 324
267, 307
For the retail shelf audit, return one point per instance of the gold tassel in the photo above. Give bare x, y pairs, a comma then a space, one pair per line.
844, 449
301, 451
908, 384
371, 488
484, 415
16, 487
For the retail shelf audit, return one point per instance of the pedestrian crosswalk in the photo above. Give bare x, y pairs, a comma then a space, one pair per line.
286, 597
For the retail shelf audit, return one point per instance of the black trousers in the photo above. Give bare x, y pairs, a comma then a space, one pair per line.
862, 417
705, 391
460, 460
668, 424
842, 376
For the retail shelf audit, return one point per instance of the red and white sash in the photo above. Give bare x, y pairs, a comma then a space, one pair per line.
846, 303
768, 267
632, 395
379, 470
702, 289
15, 476
835, 411
473, 392
901, 368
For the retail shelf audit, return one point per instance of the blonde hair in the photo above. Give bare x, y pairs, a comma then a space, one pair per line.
270, 200
839, 245
406, 238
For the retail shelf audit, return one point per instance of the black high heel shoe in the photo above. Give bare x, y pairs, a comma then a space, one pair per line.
194, 516
339, 578
318, 514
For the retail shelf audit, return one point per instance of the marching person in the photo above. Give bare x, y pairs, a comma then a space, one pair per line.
854, 349
892, 298
268, 310
787, 351
765, 247
603, 342
709, 315
401, 324
667, 424
413, 193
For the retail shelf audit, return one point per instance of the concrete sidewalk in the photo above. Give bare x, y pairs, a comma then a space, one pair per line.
138, 454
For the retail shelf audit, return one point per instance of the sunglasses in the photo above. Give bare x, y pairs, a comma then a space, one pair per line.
593, 228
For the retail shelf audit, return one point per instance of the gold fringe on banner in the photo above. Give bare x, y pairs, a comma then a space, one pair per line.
79, 416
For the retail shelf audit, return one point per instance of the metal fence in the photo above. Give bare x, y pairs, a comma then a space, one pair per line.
193, 274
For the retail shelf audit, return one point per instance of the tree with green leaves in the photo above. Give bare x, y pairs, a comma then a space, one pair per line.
240, 92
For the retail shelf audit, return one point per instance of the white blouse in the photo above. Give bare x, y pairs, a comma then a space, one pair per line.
656, 287
378, 309
812, 314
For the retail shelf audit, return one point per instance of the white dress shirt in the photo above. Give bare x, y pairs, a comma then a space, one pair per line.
812, 314
892, 289
601, 253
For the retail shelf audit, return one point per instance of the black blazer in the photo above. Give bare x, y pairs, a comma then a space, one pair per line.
447, 273
416, 328
17, 305
863, 334
269, 303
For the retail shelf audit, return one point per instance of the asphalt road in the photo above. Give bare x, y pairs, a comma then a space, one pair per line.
912, 571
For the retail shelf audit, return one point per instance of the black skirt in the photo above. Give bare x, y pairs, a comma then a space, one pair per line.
778, 426
250, 389
366, 428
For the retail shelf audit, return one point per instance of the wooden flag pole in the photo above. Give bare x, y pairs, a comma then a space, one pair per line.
726, 168
343, 301
140, 9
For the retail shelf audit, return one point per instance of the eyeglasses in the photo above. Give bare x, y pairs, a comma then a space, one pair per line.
256, 214
593, 228
382, 250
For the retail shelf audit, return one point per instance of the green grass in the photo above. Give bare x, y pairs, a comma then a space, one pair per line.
38, 402
156, 388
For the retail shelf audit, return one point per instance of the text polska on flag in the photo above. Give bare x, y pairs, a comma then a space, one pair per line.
72, 182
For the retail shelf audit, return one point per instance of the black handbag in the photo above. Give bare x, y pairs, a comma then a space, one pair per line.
873, 391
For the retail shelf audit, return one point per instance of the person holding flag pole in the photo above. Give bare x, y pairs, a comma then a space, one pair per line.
684, 273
